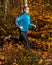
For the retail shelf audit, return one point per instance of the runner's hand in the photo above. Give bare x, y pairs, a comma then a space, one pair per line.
34, 26
21, 27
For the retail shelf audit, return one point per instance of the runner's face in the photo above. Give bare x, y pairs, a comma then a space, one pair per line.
27, 10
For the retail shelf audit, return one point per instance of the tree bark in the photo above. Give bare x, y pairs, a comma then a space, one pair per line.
6, 7
21, 5
25, 1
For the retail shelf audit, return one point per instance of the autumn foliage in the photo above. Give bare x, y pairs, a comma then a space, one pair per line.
13, 53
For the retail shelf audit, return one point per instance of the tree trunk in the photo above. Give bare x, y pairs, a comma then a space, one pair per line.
6, 7
21, 5
25, 1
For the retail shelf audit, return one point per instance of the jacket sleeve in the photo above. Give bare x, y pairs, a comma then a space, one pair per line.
17, 21
30, 24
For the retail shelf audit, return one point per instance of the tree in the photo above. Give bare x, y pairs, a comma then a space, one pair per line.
26, 3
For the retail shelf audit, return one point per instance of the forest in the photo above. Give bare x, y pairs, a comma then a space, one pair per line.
13, 53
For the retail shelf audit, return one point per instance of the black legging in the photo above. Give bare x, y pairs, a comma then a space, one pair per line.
24, 37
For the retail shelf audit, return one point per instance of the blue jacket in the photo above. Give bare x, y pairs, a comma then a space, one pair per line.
24, 21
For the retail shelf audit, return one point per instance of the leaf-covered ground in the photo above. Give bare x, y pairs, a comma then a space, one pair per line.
13, 53
18, 55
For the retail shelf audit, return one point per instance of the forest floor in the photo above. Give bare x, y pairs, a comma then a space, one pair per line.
17, 54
